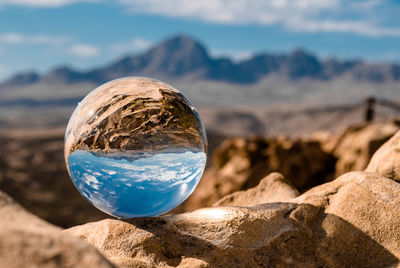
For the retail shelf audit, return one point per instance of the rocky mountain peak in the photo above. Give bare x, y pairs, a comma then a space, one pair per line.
300, 63
176, 56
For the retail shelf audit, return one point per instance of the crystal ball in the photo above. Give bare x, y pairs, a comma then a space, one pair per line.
135, 147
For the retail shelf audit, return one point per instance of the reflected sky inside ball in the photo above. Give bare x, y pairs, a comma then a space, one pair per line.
152, 184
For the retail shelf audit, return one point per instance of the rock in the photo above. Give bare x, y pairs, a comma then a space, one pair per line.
362, 220
273, 188
356, 145
302, 161
350, 222
211, 237
27, 241
240, 164
386, 161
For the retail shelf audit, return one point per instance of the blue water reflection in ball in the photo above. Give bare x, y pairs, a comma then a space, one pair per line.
135, 147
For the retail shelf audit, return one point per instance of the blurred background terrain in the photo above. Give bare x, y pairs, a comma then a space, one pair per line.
309, 89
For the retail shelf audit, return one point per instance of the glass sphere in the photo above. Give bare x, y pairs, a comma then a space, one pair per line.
135, 147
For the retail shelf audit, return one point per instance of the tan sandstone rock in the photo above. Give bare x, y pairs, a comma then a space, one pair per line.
356, 145
273, 188
245, 161
386, 161
27, 241
362, 220
353, 221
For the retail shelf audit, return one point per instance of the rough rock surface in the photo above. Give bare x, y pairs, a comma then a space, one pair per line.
301, 161
273, 188
27, 241
352, 221
386, 161
356, 145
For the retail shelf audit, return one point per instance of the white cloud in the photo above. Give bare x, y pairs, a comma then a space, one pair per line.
344, 27
140, 43
348, 16
84, 50
297, 15
42, 3
134, 45
232, 11
62, 44
18, 38
11, 38
366, 4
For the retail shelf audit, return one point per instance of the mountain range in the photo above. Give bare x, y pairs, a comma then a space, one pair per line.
184, 58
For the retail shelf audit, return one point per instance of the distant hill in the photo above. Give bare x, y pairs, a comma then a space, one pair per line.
183, 58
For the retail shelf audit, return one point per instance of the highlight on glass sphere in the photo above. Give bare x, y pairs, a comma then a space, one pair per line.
135, 147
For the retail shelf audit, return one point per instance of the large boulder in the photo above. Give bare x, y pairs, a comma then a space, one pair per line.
27, 241
386, 161
245, 161
362, 220
355, 146
273, 188
350, 222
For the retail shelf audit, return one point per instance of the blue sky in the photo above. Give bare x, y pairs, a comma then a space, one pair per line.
41, 34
